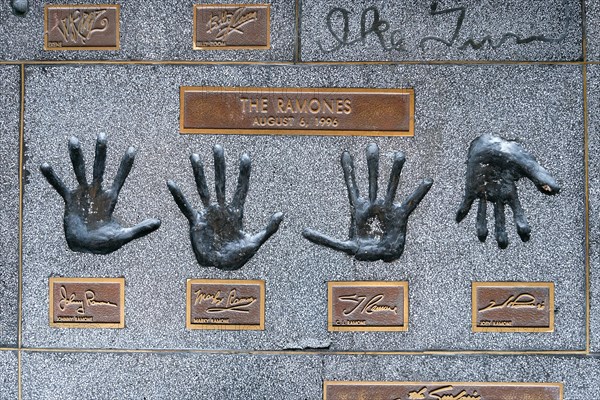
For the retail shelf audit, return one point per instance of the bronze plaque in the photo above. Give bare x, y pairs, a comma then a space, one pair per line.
81, 27
87, 302
301, 111
232, 26
368, 306
225, 304
512, 306
442, 391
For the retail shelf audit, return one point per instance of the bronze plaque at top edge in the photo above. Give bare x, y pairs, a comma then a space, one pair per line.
225, 304
81, 27
301, 111
441, 390
232, 26
87, 302
513, 306
368, 306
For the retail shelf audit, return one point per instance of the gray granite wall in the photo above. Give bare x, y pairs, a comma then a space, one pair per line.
520, 70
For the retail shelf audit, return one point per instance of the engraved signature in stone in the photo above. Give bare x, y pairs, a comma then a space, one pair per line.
67, 300
425, 394
233, 302
488, 39
390, 39
226, 23
367, 305
516, 301
81, 25
378, 27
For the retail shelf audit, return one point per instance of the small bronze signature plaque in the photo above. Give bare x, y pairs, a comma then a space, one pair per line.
87, 302
513, 306
81, 27
441, 391
302, 111
232, 26
368, 306
225, 304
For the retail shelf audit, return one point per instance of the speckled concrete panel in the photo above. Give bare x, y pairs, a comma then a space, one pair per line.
9, 365
150, 30
593, 75
206, 376
378, 30
10, 92
173, 376
541, 106
580, 375
592, 29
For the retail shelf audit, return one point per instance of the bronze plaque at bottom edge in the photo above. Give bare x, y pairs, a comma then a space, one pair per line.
81, 27
225, 304
87, 302
232, 26
368, 306
301, 111
441, 390
512, 306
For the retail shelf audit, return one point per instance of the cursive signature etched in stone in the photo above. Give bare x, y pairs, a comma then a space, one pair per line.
372, 24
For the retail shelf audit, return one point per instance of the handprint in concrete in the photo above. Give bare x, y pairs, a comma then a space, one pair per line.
494, 165
377, 226
216, 232
88, 220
